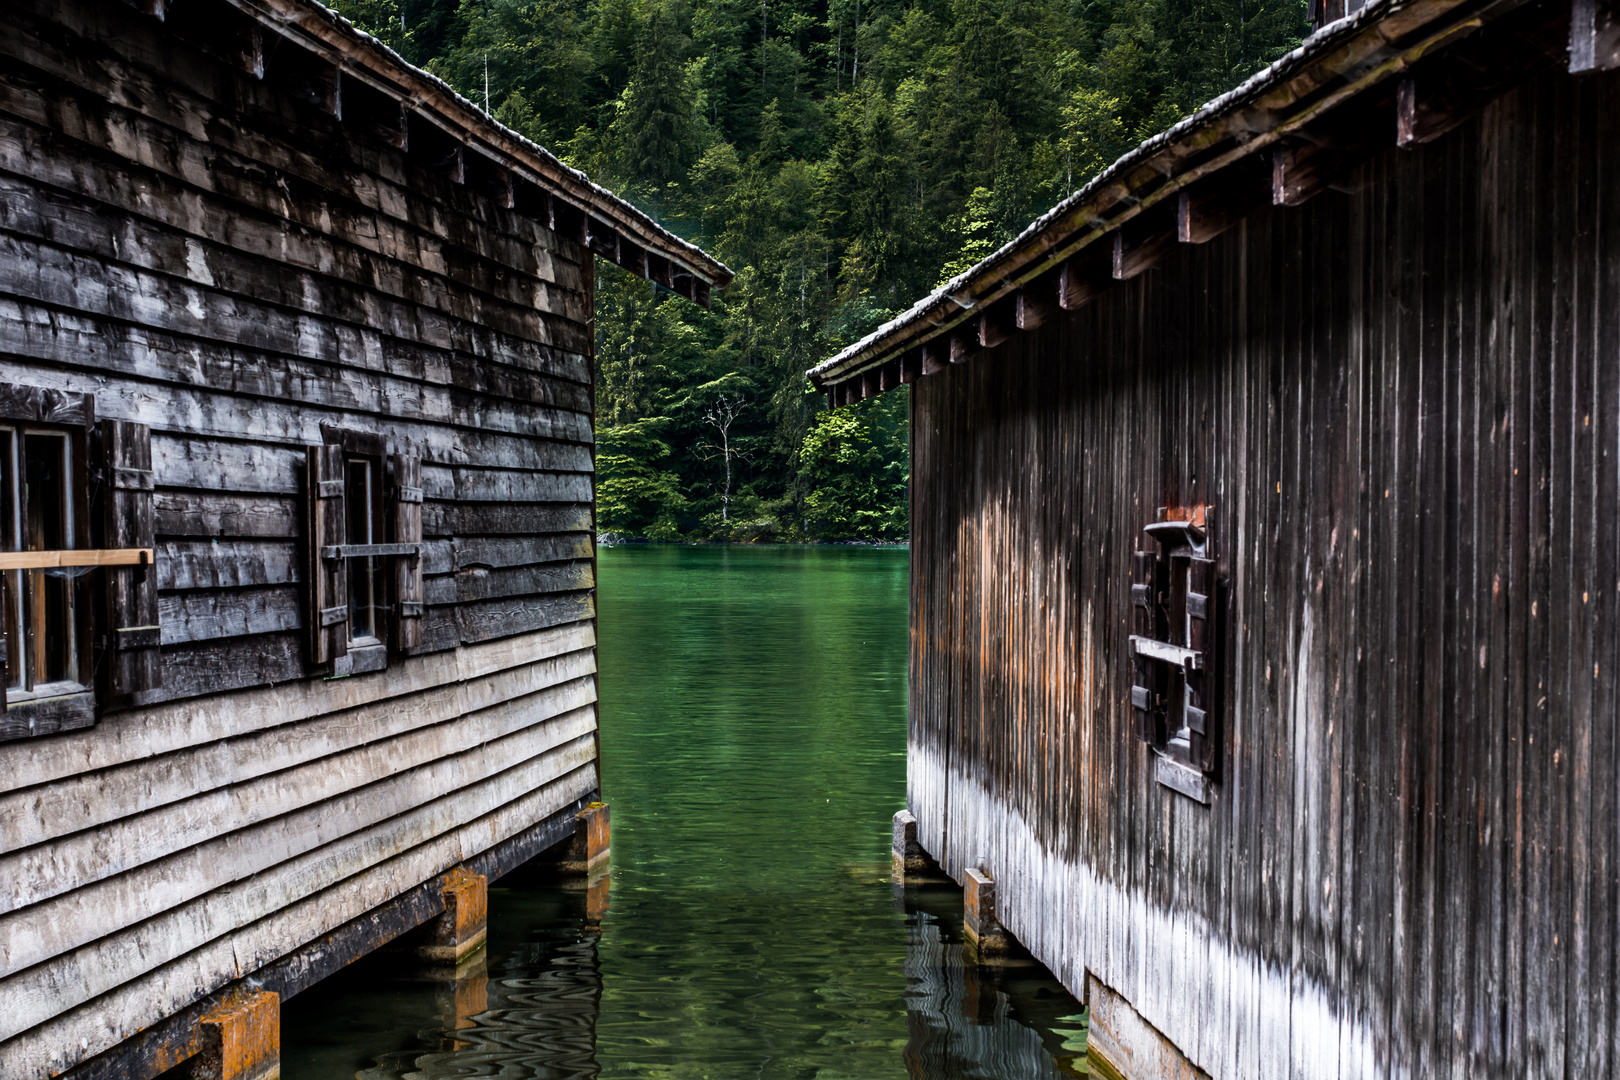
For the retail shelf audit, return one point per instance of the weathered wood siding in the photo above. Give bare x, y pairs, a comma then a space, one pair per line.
1404, 405
213, 256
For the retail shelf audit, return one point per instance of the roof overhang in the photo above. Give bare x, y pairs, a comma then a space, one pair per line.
362, 82
1396, 73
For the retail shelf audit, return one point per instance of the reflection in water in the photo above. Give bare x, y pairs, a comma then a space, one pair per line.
753, 735
533, 1012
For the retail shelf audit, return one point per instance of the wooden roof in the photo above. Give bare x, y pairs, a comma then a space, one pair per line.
361, 81
1395, 73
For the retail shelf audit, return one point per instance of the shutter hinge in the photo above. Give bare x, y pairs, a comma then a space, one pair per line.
329, 489
127, 479
332, 616
407, 494
138, 637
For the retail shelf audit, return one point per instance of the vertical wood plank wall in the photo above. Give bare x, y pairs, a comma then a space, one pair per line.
1404, 405
211, 256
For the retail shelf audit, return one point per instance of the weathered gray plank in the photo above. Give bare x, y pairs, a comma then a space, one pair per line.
163, 729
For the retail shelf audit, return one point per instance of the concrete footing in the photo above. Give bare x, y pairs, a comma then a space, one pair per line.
241, 1038
592, 833
979, 920
909, 856
453, 936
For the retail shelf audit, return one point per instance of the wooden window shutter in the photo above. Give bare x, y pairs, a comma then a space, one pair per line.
407, 529
1200, 682
134, 660
329, 584
1148, 678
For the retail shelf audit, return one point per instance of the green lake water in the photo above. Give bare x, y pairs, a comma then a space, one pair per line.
753, 742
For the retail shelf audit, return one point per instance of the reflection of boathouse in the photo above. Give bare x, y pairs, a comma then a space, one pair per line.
296, 552
1263, 567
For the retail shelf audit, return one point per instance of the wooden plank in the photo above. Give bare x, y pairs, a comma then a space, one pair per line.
307, 157
42, 560
163, 857
171, 1041
235, 769
392, 818
509, 519
226, 564
214, 614
168, 728
484, 583
511, 807
196, 514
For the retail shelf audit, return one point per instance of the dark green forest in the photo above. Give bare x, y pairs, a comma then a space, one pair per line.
844, 157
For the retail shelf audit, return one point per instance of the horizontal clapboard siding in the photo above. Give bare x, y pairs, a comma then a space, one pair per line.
1403, 404
211, 257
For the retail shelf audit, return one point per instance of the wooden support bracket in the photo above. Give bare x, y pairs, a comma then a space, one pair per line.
1084, 277
936, 356
997, 323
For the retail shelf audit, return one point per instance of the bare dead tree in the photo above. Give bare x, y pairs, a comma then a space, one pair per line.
720, 414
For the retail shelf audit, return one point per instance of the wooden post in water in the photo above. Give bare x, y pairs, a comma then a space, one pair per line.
453, 936
979, 920
241, 1038
592, 832
909, 856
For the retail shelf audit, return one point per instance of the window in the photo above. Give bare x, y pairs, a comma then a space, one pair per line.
365, 552
1175, 666
78, 614
42, 605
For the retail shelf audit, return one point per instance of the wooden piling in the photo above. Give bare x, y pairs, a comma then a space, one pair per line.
908, 854
463, 927
241, 1038
592, 831
979, 920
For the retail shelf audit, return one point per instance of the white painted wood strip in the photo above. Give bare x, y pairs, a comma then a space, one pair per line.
49, 870
90, 1028
48, 989
151, 732
139, 787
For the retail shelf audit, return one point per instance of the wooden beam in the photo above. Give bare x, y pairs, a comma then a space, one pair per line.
603, 239
1443, 91
633, 257
1132, 256
1084, 277
964, 341
1036, 303
251, 57
700, 293
50, 560
658, 270
911, 365
1301, 171
997, 323
1211, 206
870, 384
888, 376
1594, 36
936, 355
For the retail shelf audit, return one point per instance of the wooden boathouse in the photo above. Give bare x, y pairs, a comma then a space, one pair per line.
296, 527
1265, 567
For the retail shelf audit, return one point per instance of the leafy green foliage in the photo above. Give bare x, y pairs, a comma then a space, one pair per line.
844, 156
